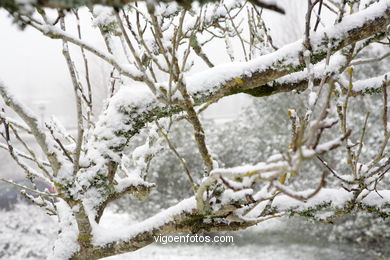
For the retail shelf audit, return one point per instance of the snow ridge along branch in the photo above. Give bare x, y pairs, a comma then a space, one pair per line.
233, 78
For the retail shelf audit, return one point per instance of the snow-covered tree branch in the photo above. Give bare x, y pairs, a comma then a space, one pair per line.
152, 48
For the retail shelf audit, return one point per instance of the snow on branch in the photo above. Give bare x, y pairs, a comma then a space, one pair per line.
23, 155
130, 109
184, 217
56, 33
371, 85
298, 81
236, 77
31, 120
14, 5
25, 188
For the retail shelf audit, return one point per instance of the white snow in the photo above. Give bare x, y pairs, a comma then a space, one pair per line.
337, 198
102, 236
66, 243
370, 84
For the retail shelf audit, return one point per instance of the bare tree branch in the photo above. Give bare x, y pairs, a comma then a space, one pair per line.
32, 122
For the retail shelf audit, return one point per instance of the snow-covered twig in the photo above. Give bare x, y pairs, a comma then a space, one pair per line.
32, 122
22, 187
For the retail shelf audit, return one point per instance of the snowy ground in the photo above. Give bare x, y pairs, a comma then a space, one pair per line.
27, 233
264, 252
265, 242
